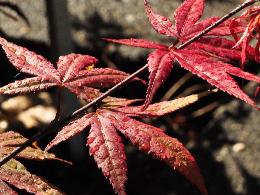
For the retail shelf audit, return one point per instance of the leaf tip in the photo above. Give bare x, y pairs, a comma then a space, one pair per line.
106, 39
146, 104
2, 91
48, 147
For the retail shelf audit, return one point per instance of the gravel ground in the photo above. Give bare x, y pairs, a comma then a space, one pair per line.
236, 127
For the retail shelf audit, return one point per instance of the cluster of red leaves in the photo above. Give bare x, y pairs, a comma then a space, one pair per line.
251, 20
207, 58
105, 144
108, 150
74, 72
14, 173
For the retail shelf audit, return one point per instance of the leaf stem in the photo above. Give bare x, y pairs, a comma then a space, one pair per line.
57, 123
59, 102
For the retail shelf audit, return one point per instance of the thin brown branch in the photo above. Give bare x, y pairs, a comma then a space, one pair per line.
59, 103
205, 109
192, 89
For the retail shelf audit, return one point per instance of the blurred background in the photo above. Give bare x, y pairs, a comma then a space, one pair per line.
222, 133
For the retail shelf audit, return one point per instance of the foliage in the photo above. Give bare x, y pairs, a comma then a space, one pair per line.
74, 72
108, 150
14, 173
209, 57
250, 19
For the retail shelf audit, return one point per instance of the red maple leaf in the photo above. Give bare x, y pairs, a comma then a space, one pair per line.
15, 174
201, 57
74, 72
250, 21
107, 147
187, 23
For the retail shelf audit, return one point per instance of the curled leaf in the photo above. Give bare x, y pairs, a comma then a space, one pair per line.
16, 174
69, 65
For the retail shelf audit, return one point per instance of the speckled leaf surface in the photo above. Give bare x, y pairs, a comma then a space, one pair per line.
107, 148
154, 141
204, 52
73, 71
215, 72
14, 173
5, 189
160, 23
187, 14
108, 151
29, 62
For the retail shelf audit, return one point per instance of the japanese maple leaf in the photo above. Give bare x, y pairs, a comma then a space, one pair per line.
187, 23
251, 18
74, 72
15, 174
201, 57
107, 147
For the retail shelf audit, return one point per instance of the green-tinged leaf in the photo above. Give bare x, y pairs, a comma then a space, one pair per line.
111, 102
14, 173
10, 140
